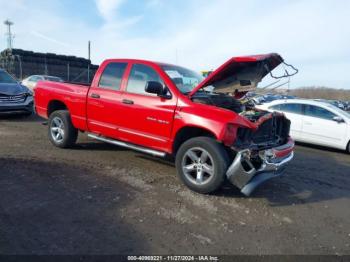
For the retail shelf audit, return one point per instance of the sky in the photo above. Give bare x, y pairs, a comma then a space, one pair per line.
313, 35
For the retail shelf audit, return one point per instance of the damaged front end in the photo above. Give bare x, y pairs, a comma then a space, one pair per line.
272, 130
261, 154
262, 146
250, 168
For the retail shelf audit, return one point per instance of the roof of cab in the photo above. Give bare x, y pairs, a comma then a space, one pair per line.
133, 60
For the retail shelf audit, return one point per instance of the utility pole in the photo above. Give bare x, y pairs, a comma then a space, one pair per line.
68, 72
89, 57
10, 37
89, 50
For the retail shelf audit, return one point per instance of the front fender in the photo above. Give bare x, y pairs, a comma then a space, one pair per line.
207, 117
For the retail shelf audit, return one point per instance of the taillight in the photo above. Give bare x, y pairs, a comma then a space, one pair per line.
229, 135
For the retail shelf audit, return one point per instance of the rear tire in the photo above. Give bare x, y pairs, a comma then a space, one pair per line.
348, 148
61, 131
201, 164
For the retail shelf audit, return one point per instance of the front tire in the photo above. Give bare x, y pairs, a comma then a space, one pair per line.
61, 131
201, 164
348, 148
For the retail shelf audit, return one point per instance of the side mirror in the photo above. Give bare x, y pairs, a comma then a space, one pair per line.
338, 119
155, 87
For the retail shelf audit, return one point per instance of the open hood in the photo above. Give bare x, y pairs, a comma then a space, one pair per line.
240, 73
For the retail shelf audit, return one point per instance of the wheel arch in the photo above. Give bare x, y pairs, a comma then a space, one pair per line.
55, 105
187, 132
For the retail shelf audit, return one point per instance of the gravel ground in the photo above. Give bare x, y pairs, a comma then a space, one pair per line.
102, 199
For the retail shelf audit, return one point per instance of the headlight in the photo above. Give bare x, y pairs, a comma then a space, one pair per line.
27, 90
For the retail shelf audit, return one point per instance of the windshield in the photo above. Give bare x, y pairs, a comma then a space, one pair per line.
184, 79
5, 78
337, 109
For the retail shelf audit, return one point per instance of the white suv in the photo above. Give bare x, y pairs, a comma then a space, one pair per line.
315, 122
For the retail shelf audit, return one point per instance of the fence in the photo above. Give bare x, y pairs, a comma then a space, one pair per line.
21, 64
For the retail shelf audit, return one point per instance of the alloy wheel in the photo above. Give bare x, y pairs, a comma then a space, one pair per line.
57, 129
198, 166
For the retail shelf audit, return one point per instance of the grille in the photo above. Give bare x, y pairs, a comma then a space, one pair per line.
12, 99
275, 129
272, 132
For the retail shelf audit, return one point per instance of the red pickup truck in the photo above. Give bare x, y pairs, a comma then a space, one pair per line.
167, 110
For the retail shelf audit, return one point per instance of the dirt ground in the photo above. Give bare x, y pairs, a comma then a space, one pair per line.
102, 199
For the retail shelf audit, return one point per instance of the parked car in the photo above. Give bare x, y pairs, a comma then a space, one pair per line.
163, 109
258, 100
315, 122
31, 81
14, 97
336, 103
272, 97
347, 105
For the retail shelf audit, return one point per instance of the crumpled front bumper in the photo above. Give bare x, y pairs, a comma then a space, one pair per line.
246, 177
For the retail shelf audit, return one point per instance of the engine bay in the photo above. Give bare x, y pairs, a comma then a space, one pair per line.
272, 131
228, 102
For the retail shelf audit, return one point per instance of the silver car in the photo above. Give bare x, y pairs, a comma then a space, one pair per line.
31, 81
14, 97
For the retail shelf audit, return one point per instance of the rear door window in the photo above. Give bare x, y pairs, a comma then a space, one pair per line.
112, 75
318, 112
289, 108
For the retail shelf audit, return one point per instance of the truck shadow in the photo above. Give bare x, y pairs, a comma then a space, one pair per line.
47, 208
164, 161
97, 146
313, 176
308, 179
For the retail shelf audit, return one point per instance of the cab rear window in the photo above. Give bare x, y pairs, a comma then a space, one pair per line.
112, 75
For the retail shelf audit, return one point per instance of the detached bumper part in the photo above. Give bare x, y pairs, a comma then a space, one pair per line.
246, 177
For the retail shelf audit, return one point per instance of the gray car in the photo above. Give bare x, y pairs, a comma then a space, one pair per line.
31, 81
14, 97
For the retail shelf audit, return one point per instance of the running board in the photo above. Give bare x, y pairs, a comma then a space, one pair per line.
130, 146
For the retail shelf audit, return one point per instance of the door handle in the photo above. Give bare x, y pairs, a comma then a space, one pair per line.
128, 102
95, 95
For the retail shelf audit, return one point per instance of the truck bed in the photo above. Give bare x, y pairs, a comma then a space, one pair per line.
72, 96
